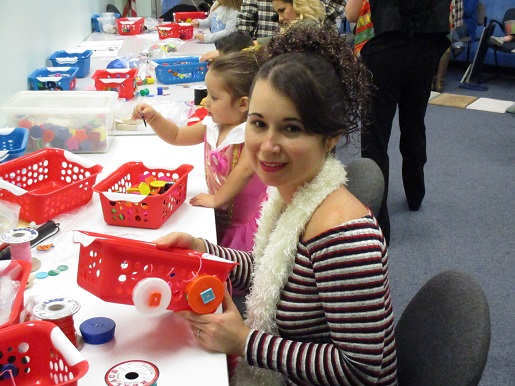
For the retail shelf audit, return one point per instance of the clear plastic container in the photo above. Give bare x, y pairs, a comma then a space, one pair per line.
107, 23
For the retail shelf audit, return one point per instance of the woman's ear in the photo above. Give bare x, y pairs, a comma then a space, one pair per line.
243, 104
332, 142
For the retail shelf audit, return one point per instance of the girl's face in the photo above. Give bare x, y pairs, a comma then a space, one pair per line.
282, 153
220, 104
285, 11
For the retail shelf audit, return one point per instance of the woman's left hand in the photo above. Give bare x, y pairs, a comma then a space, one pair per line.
225, 332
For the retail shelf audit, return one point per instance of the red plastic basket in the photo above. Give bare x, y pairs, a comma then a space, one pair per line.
141, 211
47, 183
38, 353
130, 25
182, 31
187, 17
121, 80
118, 270
23, 278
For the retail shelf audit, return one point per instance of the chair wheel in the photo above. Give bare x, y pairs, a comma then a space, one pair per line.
204, 294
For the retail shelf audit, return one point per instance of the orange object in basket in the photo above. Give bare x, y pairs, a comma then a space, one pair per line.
204, 294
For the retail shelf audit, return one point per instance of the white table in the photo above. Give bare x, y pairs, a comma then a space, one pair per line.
164, 340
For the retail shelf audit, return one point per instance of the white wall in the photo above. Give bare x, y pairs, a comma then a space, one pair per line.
31, 30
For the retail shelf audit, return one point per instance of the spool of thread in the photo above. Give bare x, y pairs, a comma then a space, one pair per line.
200, 93
132, 373
19, 240
60, 311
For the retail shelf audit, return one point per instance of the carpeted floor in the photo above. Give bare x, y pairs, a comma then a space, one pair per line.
466, 221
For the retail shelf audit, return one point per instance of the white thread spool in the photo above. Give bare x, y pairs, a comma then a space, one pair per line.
19, 241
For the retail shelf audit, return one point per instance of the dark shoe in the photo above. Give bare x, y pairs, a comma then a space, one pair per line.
414, 206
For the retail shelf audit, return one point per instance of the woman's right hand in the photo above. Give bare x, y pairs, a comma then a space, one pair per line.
180, 240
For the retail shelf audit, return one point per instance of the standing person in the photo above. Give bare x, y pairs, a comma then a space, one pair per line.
401, 43
235, 191
319, 308
221, 21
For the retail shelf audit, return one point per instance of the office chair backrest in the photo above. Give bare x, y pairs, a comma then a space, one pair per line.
481, 14
366, 182
443, 335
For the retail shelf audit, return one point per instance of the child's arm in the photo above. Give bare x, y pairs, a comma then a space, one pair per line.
236, 181
167, 130
230, 26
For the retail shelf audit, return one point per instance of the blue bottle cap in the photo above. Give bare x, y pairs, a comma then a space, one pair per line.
97, 330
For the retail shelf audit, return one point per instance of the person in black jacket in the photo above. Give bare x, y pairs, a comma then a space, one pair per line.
402, 53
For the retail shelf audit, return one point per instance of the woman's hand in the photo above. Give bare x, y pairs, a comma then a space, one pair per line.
180, 240
225, 333
204, 199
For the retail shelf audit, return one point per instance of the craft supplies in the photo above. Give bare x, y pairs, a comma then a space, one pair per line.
19, 272
112, 269
73, 58
77, 121
19, 241
48, 229
13, 142
126, 197
60, 311
97, 330
47, 183
183, 31
121, 80
53, 78
175, 70
130, 25
132, 373
38, 353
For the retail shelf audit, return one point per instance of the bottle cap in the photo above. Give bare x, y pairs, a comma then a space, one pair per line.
97, 330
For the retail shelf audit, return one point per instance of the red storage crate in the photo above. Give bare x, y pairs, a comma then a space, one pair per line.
118, 270
18, 304
141, 211
130, 25
182, 31
47, 183
187, 17
39, 353
121, 80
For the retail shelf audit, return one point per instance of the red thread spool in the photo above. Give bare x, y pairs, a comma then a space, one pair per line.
60, 311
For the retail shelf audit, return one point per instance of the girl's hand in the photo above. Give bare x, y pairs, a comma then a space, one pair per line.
194, 23
204, 199
143, 110
209, 56
180, 240
199, 37
225, 333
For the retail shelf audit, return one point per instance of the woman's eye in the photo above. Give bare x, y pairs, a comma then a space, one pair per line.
258, 124
294, 129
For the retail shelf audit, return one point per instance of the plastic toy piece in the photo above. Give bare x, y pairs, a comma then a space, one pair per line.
126, 271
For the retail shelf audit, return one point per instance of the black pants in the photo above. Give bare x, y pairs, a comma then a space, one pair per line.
402, 76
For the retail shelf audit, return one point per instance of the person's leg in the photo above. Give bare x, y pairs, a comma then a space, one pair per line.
412, 110
376, 136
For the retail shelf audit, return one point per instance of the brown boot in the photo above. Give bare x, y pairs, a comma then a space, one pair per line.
442, 70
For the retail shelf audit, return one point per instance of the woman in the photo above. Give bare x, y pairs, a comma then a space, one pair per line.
319, 308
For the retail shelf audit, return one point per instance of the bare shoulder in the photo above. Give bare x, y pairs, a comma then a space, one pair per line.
338, 208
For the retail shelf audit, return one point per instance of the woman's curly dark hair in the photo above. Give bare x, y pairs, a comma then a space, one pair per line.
316, 69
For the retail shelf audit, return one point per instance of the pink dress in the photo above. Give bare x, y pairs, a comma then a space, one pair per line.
236, 222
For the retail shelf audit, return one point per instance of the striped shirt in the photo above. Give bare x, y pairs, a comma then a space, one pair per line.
334, 315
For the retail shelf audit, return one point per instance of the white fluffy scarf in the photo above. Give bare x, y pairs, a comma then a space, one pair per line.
274, 251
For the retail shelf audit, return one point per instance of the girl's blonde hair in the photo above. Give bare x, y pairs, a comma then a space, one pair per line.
236, 4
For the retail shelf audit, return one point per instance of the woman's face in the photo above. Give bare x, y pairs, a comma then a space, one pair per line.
282, 153
285, 11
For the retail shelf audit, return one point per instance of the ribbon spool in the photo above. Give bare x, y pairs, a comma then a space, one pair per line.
19, 240
200, 93
132, 373
60, 311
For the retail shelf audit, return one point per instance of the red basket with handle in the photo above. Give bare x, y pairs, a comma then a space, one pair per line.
182, 31
39, 353
130, 25
126, 271
137, 210
47, 183
21, 271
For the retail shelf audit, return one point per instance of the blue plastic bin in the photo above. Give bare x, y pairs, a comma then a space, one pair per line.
53, 78
180, 70
13, 143
81, 59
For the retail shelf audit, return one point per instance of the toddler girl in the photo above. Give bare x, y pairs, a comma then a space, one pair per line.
235, 191
221, 20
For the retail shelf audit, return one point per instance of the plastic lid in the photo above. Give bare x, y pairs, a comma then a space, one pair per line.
97, 330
